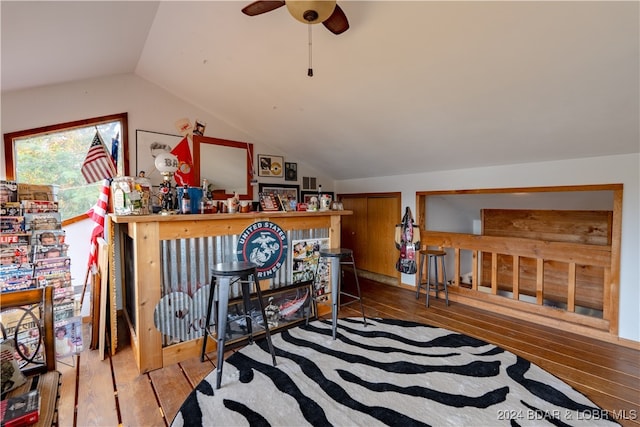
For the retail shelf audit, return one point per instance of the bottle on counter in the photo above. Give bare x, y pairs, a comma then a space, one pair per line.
143, 185
204, 201
185, 202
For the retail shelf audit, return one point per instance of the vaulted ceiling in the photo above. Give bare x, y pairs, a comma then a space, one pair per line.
411, 87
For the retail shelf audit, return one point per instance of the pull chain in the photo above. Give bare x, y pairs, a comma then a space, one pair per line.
310, 70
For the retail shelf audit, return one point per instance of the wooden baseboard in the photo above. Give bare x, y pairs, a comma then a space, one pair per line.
393, 281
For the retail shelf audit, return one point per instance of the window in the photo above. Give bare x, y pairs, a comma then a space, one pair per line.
54, 155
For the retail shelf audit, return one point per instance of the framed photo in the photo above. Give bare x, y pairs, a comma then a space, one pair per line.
307, 195
270, 165
148, 146
284, 308
285, 203
269, 202
290, 171
289, 191
199, 127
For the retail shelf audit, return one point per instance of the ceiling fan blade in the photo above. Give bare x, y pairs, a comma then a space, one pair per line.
337, 23
261, 6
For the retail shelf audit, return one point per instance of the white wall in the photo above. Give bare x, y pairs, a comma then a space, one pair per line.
600, 170
149, 107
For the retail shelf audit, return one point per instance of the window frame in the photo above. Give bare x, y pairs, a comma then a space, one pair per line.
9, 144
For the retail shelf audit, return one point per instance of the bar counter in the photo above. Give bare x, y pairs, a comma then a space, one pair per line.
156, 255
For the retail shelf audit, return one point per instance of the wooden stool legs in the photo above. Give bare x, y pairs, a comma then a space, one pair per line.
426, 257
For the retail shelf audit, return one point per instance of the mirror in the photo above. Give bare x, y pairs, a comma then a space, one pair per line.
227, 165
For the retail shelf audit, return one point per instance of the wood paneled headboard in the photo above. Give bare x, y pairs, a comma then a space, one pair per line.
583, 227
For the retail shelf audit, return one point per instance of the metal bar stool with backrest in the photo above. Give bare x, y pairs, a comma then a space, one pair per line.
337, 258
246, 274
427, 256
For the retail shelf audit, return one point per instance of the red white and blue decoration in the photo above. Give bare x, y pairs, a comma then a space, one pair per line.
263, 243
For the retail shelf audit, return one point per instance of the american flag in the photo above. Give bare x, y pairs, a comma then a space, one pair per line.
98, 164
114, 150
97, 215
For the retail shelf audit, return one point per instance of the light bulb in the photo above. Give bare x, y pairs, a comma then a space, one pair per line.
166, 162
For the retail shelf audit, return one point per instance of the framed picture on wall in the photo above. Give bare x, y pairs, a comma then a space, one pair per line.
272, 166
148, 146
286, 191
290, 171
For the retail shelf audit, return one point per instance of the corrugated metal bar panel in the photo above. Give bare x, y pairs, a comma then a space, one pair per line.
186, 266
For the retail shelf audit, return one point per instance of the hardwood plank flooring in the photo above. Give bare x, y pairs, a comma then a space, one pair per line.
133, 387
111, 392
96, 403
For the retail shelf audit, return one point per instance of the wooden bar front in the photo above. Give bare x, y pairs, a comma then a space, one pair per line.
137, 253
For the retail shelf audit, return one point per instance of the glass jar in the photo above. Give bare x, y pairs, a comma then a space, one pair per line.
143, 186
126, 201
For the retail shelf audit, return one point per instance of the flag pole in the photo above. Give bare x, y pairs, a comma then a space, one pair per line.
84, 287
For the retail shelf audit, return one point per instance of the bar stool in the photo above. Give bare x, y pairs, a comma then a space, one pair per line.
237, 271
427, 256
337, 258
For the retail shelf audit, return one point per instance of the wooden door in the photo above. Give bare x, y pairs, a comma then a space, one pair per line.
382, 217
354, 228
370, 231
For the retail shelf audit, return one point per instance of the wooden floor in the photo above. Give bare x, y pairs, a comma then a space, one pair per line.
111, 392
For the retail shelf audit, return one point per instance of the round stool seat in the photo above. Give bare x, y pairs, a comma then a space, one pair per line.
235, 268
336, 252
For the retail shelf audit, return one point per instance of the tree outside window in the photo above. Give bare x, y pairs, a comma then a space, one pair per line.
54, 155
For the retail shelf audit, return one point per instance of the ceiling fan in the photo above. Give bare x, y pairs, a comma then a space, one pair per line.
308, 11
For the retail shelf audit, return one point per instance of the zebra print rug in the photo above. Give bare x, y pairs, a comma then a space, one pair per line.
388, 373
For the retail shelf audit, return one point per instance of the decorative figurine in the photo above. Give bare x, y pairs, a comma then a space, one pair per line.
167, 165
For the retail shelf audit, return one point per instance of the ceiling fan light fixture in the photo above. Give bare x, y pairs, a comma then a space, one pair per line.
311, 12
310, 15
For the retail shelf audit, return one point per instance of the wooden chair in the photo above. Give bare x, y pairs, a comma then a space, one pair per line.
40, 375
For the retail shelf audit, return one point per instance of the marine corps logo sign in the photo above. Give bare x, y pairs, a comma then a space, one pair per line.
264, 244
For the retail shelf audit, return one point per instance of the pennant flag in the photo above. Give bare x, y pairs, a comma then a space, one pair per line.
98, 164
114, 150
97, 214
184, 174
